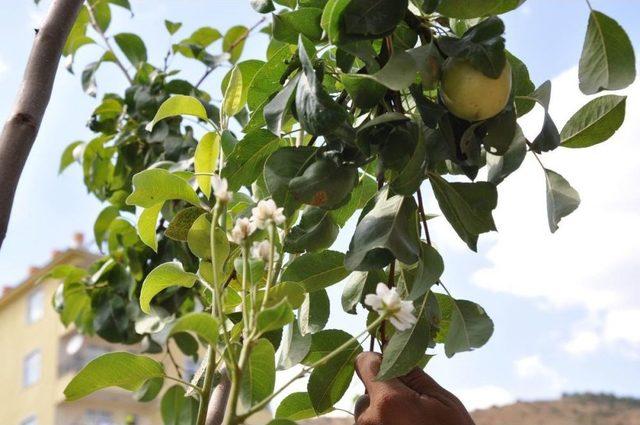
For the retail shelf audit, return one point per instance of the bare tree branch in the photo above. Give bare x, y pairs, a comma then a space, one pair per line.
21, 128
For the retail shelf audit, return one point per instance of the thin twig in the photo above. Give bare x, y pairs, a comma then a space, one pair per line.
423, 217
96, 27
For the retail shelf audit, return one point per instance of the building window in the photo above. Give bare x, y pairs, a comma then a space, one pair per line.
32, 367
99, 417
31, 420
35, 306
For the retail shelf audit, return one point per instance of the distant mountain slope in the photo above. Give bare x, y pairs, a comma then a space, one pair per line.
574, 409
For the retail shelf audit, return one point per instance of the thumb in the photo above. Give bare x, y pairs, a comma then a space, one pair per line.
367, 367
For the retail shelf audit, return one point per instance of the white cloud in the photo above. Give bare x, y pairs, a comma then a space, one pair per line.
531, 368
592, 262
3, 67
485, 397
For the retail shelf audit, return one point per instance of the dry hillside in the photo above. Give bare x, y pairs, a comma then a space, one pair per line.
578, 409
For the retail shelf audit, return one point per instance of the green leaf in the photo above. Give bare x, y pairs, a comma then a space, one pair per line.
316, 271
476, 8
318, 113
361, 194
233, 101
405, 349
280, 168
172, 27
291, 291
119, 369
467, 207
288, 26
409, 179
233, 42
365, 92
357, 286
88, 78
295, 407
201, 324
465, 324
179, 105
608, 60
178, 228
267, 80
178, 409
158, 185
373, 19
549, 137
149, 390
164, 276
293, 348
332, 19
324, 184
388, 231
274, 318
147, 223
329, 382
277, 110
430, 268
501, 166
562, 199
133, 48
262, 6
246, 162
316, 231
281, 422
259, 376
199, 242
482, 45
314, 312
521, 84
595, 122
67, 157
206, 159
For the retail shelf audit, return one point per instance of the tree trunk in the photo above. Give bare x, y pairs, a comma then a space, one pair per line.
21, 128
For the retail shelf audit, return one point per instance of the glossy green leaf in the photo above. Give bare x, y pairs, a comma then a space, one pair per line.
233, 42
357, 285
178, 409
147, 223
316, 271
277, 110
595, 122
314, 312
476, 8
67, 157
280, 168
157, 185
291, 291
102, 223
259, 376
465, 324
133, 47
246, 162
267, 80
521, 84
201, 324
365, 92
361, 194
409, 179
562, 199
332, 20
296, 406
293, 349
206, 159
262, 6
430, 268
501, 166
172, 27
549, 137
467, 207
324, 184
274, 318
233, 100
288, 26
406, 348
179, 105
608, 60
118, 369
164, 276
388, 231
373, 19
198, 239
316, 231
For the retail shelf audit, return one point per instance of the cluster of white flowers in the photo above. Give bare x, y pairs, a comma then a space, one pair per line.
267, 212
387, 301
242, 230
221, 189
262, 251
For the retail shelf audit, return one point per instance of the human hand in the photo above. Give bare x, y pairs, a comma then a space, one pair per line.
413, 399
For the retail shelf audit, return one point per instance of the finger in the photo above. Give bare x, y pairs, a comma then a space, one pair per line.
362, 404
424, 384
367, 367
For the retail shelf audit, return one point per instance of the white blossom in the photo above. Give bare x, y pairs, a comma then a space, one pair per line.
387, 301
242, 230
220, 188
267, 212
262, 251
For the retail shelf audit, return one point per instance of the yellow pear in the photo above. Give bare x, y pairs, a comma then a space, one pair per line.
469, 94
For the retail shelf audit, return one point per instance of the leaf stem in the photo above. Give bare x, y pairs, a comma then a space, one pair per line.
183, 382
423, 217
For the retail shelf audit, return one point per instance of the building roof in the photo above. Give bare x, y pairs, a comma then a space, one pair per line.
12, 293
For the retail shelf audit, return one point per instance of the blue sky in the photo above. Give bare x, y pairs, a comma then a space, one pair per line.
566, 306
